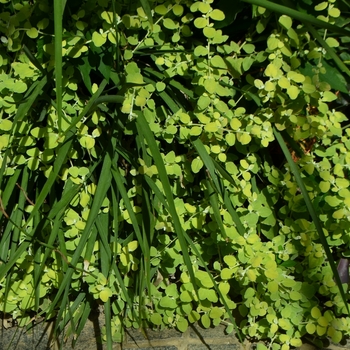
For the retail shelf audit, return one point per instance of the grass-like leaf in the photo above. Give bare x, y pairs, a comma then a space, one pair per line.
101, 190
58, 14
147, 8
218, 185
329, 50
190, 243
296, 172
300, 16
145, 131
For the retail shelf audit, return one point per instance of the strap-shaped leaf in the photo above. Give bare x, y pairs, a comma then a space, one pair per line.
296, 172
145, 131
147, 8
302, 17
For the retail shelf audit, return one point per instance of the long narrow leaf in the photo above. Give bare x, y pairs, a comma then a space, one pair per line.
215, 206
312, 212
119, 184
60, 159
87, 108
200, 258
218, 184
300, 16
144, 129
329, 50
147, 8
101, 190
58, 14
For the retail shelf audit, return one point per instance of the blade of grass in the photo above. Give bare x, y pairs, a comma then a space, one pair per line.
83, 318
33, 59
147, 8
58, 15
104, 243
101, 190
106, 259
61, 322
7, 192
171, 82
25, 244
16, 216
215, 206
144, 129
295, 170
87, 108
198, 255
329, 50
147, 233
59, 161
218, 184
31, 95
165, 97
300, 16
147, 224
128, 205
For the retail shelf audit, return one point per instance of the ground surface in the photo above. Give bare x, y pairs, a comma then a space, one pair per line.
195, 338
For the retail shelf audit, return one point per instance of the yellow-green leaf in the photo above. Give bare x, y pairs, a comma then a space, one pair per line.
98, 39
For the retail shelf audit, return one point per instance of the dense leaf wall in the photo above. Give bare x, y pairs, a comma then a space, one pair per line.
141, 169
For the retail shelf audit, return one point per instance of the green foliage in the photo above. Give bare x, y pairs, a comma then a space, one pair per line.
142, 170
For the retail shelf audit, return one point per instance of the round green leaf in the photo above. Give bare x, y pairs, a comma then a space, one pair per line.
156, 319
195, 130
249, 48
203, 102
321, 330
217, 15
209, 32
168, 302
211, 127
322, 321
204, 7
205, 320
230, 139
244, 138
321, 6
315, 312
309, 88
32, 33
200, 22
218, 62
200, 51
334, 12
285, 21
160, 86
161, 10
5, 124
178, 10
216, 312
182, 324
87, 142
196, 165
204, 279
98, 39
332, 42
169, 24
194, 316
333, 201
293, 92
105, 294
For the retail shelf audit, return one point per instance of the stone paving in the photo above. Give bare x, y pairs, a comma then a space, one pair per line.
195, 338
